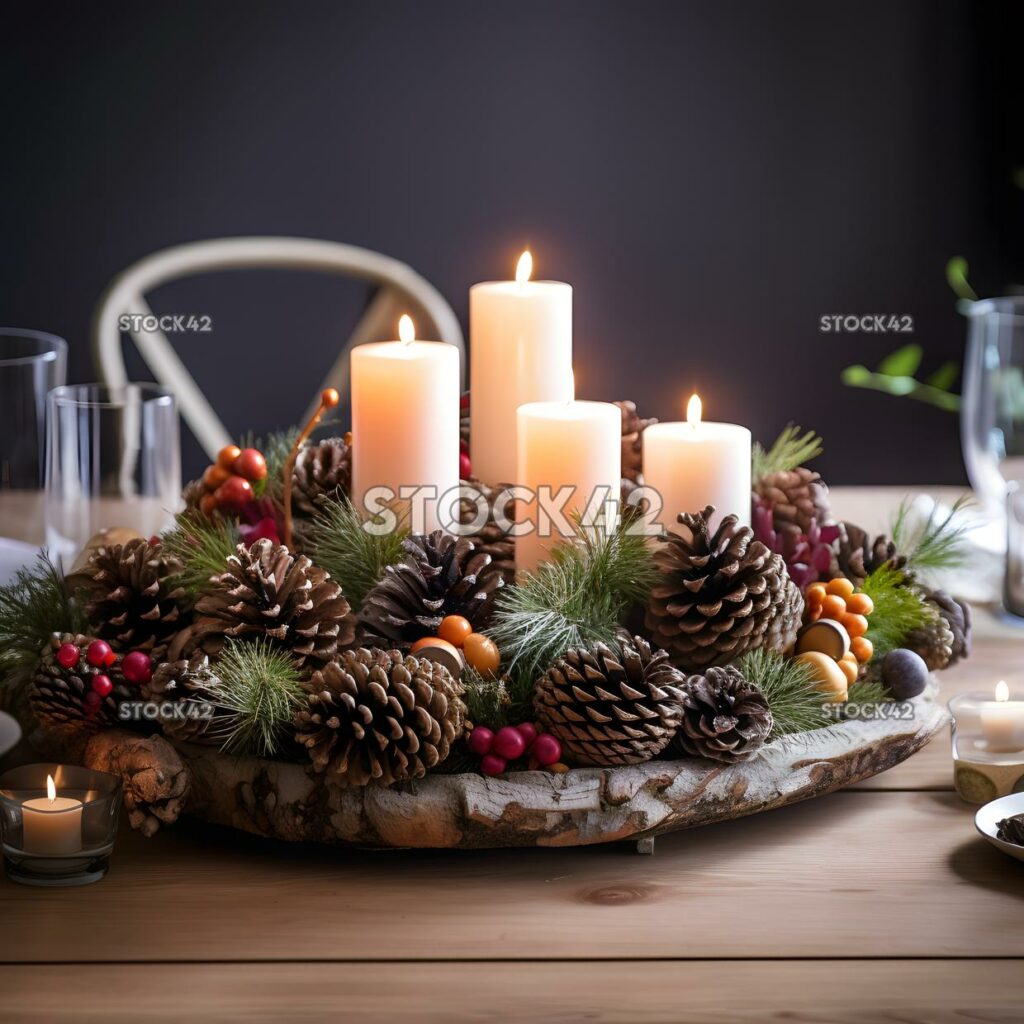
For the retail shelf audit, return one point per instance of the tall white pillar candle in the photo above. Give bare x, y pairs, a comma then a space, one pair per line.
405, 424
695, 464
520, 351
574, 444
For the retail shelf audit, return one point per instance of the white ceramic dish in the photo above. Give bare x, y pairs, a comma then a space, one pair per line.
988, 817
10, 733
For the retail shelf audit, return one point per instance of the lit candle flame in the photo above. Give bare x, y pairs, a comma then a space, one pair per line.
1002, 691
524, 268
406, 329
51, 789
694, 410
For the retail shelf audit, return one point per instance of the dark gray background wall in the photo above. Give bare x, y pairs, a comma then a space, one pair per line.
711, 177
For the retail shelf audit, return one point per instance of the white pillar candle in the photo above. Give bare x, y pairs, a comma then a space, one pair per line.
1002, 722
520, 351
405, 425
566, 444
694, 464
52, 825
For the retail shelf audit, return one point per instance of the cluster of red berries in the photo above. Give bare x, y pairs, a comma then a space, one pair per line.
496, 749
232, 482
136, 667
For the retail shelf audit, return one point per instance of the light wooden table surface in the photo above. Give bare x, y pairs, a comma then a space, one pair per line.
877, 903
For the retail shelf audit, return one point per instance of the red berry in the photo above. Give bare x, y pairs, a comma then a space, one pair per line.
490, 764
465, 467
227, 455
528, 731
96, 653
509, 743
137, 667
464, 446
110, 660
546, 749
102, 686
251, 464
464, 401
233, 495
92, 701
68, 655
480, 740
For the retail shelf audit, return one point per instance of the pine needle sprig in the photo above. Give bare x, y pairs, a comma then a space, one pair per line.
202, 546
865, 693
899, 609
788, 686
578, 597
259, 694
36, 604
790, 449
488, 701
354, 556
936, 544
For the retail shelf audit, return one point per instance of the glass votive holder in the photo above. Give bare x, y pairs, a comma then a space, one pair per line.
988, 744
58, 823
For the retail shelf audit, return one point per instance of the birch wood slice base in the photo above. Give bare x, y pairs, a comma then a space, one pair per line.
583, 806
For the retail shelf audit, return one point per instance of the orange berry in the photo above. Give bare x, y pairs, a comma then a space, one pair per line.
431, 641
850, 669
482, 653
833, 607
227, 455
860, 604
841, 586
815, 591
454, 629
862, 649
214, 476
208, 504
815, 614
329, 398
856, 625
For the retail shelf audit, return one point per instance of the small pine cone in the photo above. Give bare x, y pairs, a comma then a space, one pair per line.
782, 632
193, 494
194, 686
379, 715
633, 427
934, 642
610, 706
798, 499
440, 575
725, 718
957, 616
491, 538
322, 470
133, 598
267, 591
859, 556
57, 693
717, 594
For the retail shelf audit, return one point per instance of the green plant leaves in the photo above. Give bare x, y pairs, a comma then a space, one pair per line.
904, 362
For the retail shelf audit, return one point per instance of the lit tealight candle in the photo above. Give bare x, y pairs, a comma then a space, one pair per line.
697, 463
1002, 722
51, 825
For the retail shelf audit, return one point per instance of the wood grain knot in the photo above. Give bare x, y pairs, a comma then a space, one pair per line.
614, 895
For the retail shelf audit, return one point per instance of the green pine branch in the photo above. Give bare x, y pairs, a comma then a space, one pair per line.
202, 546
790, 449
935, 544
788, 686
899, 609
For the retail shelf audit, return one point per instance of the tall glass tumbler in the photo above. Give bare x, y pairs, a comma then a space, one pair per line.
31, 364
113, 460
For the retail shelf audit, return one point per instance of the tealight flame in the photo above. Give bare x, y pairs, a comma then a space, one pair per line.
1002, 691
51, 789
406, 329
694, 409
524, 268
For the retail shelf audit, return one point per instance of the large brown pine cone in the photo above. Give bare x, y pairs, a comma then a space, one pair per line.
267, 591
134, 601
377, 715
491, 538
440, 575
717, 595
633, 427
194, 687
860, 555
58, 695
610, 705
725, 718
798, 499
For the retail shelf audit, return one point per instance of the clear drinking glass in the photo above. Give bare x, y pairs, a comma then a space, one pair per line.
31, 363
113, 459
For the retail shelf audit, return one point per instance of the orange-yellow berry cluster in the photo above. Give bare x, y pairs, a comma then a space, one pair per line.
229, 483
840, 601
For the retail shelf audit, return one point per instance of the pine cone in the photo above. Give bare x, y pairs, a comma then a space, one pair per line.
1011, 830
797, 498
725, 718
267, 591
633, 427
322, 470
934, 642
782, 632
133, 601
957, 617
57, 693
379, 715
440, 575
610, 706
194, 687
717, 594
859, 556
491, 539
